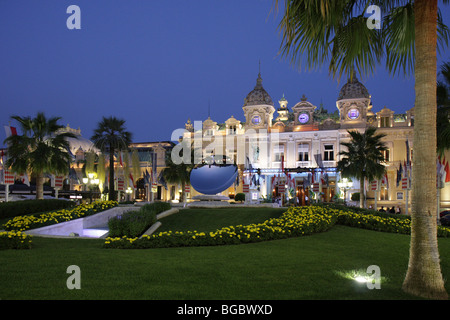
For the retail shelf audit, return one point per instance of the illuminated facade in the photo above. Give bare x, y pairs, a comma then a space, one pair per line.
298, 146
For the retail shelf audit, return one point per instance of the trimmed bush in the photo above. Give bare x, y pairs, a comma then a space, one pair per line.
239, 197
131, 223
18, 208
135, 223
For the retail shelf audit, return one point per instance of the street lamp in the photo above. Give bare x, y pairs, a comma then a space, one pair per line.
345, 184
90, 181
128, 191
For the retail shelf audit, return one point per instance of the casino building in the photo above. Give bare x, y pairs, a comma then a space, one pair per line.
296, 146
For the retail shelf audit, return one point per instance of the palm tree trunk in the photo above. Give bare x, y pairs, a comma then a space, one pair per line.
183, 185
424, 277
361, 193
40, 186
112, 193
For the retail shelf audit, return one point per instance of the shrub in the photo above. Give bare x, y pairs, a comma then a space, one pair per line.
158, 206
131, 223
135, 223
240, 197
18, 208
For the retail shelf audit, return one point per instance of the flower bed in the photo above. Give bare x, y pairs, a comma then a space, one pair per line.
296, 221
22, 223
14, 240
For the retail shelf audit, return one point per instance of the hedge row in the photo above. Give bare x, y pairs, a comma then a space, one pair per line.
18, 208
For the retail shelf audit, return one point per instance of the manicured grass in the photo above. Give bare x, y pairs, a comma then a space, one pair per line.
296, 268
202, 219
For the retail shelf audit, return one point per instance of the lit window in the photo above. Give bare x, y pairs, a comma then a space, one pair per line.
278, 152
385, 155
303, 152
384, 194
328, 153
385, 122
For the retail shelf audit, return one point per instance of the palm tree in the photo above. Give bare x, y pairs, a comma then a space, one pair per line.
111, 136
443, 110
40, 150
178, 173
363, 158
411, 33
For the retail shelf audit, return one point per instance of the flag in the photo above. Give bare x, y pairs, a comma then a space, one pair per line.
307, 181
131, 183
147, 177
399, 174
405, 170
2, 161
318, 158
120, 159
440, 171
10, 131
326, 179
384, 181
24, 178
161, 180
407, 153
447, 173
154, 167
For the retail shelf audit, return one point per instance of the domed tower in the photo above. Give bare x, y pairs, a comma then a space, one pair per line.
354, 104
258, 107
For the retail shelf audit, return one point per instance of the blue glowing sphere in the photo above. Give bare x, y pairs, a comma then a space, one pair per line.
212, 179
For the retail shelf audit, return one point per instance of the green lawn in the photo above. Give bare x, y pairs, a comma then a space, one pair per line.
297, 268
212, 219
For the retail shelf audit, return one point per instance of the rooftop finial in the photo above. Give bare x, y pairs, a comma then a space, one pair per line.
209, 108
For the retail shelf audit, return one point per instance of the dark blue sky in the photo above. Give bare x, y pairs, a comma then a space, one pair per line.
156, 63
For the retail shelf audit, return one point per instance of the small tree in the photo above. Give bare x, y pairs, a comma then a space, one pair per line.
363, 158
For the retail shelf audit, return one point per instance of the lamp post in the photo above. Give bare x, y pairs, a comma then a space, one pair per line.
345, 184
128, 191
90, 181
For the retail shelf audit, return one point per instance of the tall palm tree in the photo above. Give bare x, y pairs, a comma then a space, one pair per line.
443, 110
41, 149
111, 136
410, 34
363, 158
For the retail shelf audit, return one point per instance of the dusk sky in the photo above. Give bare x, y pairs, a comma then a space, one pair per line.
156, 63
